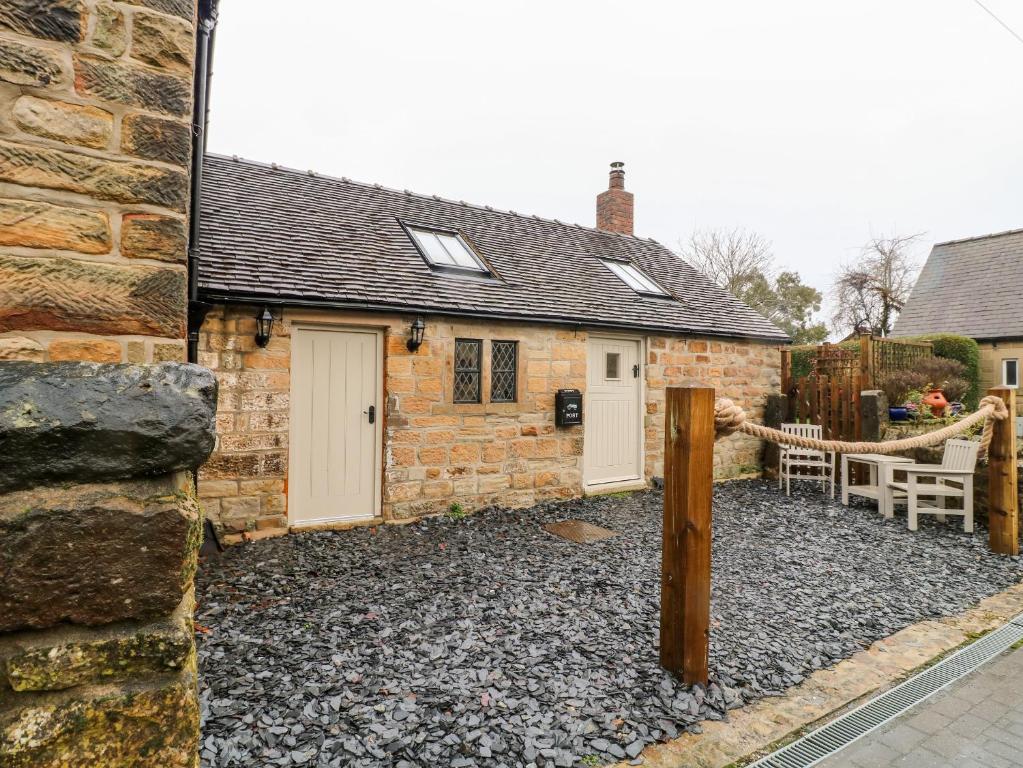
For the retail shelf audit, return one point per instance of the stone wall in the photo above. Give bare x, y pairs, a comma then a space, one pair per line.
437, 452
743, 371
97, 555
98, 523
95, 111
991, 356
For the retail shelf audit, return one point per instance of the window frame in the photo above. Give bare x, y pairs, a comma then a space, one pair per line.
618, 365
482, 268
1005, 371
613, 265
514, 370
478, 370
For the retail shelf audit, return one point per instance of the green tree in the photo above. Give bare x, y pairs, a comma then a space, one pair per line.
797, 304
742, 263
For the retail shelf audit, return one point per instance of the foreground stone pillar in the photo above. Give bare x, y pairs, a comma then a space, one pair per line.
98, 524
97, 557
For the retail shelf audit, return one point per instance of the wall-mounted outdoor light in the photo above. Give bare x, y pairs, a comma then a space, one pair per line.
264, 327
416, 331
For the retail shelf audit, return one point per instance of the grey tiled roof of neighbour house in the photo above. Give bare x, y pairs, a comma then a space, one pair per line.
287, 236
971, 287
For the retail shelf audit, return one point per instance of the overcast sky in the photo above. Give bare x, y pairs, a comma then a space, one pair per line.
813, 123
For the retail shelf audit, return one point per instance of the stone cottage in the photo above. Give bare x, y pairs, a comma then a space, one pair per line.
383, 354
973, 287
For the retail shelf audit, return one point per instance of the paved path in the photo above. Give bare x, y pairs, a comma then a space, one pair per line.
976, 722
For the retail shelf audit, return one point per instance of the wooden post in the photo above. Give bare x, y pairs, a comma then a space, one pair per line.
867, 360
786, 371
685, 555
1003, 491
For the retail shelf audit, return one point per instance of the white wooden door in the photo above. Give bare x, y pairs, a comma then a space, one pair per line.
334, 456
611, 417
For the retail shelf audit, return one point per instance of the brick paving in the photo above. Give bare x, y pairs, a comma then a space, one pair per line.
975, 723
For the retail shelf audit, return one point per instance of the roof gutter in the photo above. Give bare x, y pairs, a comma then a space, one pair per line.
205, 33
240, 298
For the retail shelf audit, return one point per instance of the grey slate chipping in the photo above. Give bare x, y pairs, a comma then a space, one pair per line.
279, 234
971, 287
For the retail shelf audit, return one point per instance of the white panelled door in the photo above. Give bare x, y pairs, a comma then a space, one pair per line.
611, 417
335, 425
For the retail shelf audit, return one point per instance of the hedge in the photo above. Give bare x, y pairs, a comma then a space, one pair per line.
948, 345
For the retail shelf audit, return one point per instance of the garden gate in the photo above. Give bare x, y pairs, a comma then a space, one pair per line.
829, 395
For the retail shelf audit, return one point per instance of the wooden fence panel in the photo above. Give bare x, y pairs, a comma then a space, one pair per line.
833, 402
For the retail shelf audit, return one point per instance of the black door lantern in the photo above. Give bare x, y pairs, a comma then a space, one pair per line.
264, 327
416, 331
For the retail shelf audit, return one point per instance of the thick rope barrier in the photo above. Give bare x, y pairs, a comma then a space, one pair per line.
730, 418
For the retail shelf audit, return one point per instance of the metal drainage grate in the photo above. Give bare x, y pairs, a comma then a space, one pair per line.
839, 733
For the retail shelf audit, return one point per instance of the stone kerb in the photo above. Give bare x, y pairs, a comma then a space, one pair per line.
99, 533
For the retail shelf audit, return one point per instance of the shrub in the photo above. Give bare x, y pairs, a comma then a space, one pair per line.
949, 375
966, 351
956, 388
897, 385
802, 360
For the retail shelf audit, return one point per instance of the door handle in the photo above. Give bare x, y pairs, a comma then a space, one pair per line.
372, 413
635, 371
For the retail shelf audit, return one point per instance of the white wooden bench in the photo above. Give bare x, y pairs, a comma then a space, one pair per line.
953, 478
796, 463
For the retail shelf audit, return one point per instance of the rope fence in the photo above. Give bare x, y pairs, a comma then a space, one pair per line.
730, 418
694, 420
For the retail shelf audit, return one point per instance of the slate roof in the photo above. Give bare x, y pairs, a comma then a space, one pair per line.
290, 236
972, 287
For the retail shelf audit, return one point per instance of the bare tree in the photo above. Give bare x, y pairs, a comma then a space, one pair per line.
737, 260
872, 290
742, 263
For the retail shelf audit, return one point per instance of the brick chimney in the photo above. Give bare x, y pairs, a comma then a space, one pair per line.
614, 207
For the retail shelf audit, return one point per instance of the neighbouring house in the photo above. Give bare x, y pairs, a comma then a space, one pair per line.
973, 287
418, 347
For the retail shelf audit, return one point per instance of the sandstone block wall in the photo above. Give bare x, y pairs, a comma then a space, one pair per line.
97, 663
991, 357
436, 452
95, 112
97, 658
744, 371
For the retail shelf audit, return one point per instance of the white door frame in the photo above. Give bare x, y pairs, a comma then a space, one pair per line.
378, 434
612, 485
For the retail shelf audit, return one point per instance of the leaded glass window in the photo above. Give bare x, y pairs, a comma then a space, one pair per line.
468, 353
503, 364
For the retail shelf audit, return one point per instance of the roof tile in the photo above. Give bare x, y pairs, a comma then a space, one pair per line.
271, 232
972, 287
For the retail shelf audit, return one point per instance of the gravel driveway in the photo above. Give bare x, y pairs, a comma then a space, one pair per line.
487, 641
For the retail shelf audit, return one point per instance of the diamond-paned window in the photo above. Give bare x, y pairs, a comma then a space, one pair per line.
503, 364
468, 354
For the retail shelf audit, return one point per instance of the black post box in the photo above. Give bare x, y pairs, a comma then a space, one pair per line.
568, 407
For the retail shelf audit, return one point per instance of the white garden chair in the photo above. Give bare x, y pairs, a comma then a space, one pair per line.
953, 478
803, 463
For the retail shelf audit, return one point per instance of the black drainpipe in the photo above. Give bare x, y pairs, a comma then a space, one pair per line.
205, 33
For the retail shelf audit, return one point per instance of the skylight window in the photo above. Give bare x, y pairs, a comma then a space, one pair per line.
631, 275
445, 249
